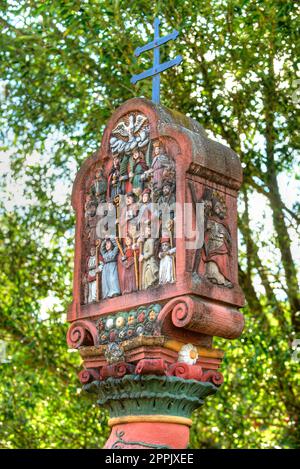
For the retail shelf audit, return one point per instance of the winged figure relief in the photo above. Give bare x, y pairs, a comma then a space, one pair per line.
129, 134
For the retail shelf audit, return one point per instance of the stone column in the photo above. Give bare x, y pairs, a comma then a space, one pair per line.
146, 309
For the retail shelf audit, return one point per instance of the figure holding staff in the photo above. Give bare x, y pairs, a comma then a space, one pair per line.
98, 271
171, 226
140, 263
132, 232
128, 270
117, 205
118, 237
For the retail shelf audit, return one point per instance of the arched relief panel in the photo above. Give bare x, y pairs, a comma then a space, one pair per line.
148, 156
133, 177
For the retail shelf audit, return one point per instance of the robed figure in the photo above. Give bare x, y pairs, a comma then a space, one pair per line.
114, 186
128, 267
159, 164
217, 244
149, 263
91, 276
110, 281
139, 167
167, 262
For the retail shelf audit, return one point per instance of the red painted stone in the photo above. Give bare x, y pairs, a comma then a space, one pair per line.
148, 435
151, 366
205, 164
214, 376
87, 376
185, 371
116, 371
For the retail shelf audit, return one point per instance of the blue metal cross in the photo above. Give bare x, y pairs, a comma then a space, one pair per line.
157, 67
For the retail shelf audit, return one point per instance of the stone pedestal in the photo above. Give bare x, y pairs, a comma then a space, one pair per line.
146, 308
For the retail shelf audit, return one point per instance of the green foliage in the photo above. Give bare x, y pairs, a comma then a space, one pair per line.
257, 406
64, 67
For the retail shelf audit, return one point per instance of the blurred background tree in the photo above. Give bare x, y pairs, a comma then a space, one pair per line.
64, 67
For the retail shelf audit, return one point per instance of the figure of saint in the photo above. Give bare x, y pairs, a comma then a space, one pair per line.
110, 280
148, 261
99, 187
138, 169
133, 231
132, 211
90, 207
124, 176
217, 244
127, 212
91, 217
91, 276
147, 214
114, 182
128, 268
131, 207
167, 196
85, 289
167, 262
160, 163
145, 210
166, 203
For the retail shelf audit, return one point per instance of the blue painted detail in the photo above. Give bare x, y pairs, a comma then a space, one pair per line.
156, 43
152, 72
157, 68
156, 58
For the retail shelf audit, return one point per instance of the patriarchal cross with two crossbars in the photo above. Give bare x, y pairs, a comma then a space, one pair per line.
157, 68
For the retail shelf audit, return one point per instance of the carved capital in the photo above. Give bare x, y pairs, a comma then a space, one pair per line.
135, 395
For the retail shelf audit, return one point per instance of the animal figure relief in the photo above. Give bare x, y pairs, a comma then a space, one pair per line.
132, 133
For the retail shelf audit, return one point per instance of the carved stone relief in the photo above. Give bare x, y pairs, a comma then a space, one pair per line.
216, 251
136, 187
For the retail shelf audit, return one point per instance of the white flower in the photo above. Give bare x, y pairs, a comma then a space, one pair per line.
109, 323
188, 354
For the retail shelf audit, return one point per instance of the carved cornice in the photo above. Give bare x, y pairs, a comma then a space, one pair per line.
182, 319
96, 351
206, 173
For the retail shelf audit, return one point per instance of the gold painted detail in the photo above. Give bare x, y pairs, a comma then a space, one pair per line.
150, 418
